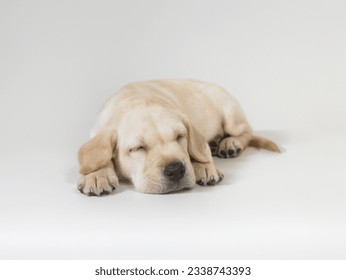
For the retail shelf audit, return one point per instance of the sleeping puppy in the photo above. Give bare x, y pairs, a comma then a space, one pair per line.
161, 136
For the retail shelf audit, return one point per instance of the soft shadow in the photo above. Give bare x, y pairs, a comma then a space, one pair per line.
229, 166
196, 189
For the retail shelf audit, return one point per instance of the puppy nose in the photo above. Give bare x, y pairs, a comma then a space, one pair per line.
174, 171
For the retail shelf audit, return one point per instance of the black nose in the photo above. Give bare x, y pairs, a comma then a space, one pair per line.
174, 171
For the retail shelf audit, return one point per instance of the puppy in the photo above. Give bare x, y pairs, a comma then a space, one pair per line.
161, 136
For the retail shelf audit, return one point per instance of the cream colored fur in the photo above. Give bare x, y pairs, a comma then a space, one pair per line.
148, 125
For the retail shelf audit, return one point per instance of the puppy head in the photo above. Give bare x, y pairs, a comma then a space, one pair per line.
155, 148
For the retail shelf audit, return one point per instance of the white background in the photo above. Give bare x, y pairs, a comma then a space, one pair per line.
283, 60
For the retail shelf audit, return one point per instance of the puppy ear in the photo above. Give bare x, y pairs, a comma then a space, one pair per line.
197, 145
97, 152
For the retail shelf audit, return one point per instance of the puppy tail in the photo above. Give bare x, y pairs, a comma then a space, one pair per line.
262, 143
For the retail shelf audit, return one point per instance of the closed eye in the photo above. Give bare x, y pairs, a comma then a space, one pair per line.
138, 149
180, 137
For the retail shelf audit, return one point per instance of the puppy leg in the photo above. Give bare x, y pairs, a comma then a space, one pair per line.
100, 182
236, 129
232, 146
207, 174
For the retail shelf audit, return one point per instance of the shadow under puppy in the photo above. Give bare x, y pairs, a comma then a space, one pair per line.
161, 135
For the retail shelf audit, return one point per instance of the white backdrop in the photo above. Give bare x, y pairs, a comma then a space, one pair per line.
284, 61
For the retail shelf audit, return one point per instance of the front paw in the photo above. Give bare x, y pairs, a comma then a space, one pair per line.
100, 182
207, 174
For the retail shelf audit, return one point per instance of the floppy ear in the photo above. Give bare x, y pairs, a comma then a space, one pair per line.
97, 152
197, 145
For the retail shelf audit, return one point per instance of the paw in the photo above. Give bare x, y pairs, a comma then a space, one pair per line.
207, 174
100, 182
230, 147
214, 148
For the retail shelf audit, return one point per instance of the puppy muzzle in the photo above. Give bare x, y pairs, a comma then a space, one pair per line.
174, 171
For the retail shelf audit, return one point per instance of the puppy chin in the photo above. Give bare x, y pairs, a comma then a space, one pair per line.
182, 184
164, 186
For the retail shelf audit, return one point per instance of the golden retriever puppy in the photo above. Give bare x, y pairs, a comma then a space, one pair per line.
161, 136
